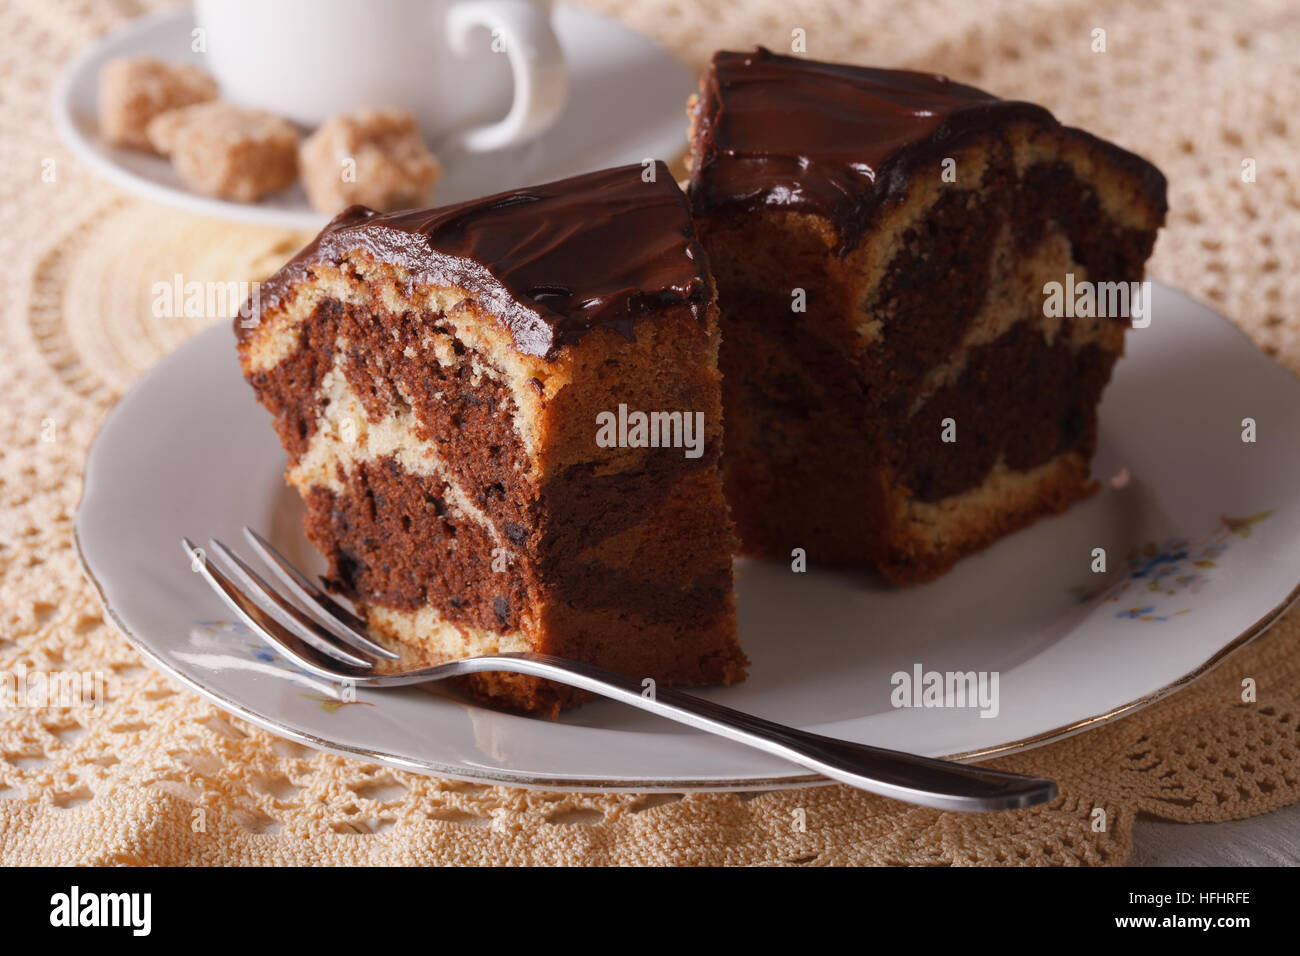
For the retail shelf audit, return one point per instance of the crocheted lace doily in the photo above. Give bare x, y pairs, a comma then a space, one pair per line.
160, 776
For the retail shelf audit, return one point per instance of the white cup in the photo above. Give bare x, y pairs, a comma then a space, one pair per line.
476, 74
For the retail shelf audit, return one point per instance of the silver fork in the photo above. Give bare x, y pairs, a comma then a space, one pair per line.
325, 638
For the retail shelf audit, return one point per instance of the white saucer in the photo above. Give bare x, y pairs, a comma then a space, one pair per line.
1214, 524
627, 102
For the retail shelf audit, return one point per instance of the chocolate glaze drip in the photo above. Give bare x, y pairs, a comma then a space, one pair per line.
831, 139
551, 262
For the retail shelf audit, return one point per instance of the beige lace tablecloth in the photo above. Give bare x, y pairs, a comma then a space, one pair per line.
1190, 84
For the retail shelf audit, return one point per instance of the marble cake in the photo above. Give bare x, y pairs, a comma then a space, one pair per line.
437, 379
896, 392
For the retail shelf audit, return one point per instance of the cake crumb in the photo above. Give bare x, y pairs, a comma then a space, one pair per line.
228, 151
134, 90
374, 157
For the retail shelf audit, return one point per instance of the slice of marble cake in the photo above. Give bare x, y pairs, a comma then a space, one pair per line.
439, 380
897, 389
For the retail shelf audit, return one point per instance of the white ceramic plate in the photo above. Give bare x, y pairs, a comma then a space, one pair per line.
1214, 523
627, 102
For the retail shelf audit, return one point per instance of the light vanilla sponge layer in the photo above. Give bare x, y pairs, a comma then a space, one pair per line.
980, 514
424, 637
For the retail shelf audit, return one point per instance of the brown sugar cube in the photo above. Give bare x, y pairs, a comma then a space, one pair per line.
228, 151
375, 158
133, 90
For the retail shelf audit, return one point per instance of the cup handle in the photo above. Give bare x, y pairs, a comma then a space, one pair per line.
541, 80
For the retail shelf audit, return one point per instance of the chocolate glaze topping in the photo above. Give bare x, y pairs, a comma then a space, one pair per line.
825, 138
551, 262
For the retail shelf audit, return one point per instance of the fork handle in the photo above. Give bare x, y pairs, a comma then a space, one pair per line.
942, 784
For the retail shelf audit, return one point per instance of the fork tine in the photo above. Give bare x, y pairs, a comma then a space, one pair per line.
341, 622
287, 613
268, 629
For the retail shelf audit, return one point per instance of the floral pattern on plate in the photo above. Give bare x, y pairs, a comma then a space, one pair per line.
1173, 568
